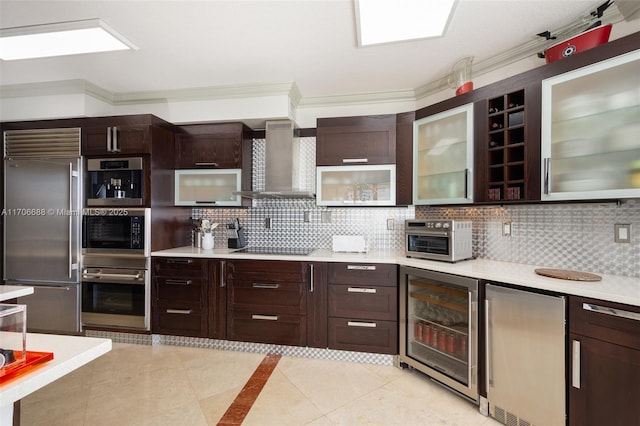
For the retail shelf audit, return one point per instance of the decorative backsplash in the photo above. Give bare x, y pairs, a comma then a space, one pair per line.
574, 236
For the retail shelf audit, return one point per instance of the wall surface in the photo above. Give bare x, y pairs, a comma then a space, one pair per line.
576, 236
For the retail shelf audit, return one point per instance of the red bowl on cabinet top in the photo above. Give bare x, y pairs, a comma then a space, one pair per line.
585, 41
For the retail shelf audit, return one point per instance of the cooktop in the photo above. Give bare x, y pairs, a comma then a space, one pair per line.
277, 250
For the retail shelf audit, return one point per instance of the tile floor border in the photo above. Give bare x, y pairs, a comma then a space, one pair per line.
264, 348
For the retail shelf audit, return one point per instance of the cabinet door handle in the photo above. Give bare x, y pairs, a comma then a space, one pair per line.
575, 364
115, 146
179, 311
204, 202
355, 160
467, 179
361, 324
487, 340
611, 311
547, 175
264, 285
311, 283
178, 282
361, 267
361, 290
109, 141
214, 164
264, 317
223, 283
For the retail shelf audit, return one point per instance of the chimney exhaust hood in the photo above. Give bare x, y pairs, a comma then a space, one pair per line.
282, 164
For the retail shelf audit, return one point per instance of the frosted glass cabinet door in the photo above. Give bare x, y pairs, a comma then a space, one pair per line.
207, 187
591, 131
443, 157
370, 185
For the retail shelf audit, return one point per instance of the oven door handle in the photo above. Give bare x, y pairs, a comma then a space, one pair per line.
429, 234
99, 275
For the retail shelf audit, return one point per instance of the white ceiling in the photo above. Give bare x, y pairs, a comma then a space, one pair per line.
312, 43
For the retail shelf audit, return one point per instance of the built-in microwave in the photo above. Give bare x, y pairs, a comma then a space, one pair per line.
116, 231
115, 181
446, 240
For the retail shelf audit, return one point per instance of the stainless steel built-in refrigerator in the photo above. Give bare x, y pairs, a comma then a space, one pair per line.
42, 218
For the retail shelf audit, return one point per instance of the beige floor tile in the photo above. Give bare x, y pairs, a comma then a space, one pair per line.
281, 403
214, 407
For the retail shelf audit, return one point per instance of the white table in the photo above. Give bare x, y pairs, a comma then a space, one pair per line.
69, 353
13, 291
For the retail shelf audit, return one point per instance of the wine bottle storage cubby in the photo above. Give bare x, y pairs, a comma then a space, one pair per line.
506, 147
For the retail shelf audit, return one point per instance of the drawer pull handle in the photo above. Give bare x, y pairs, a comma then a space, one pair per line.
179, 311
214, 164
611, 311
179, 260
361, 267
361, 290
355, 160
264, 317
361, 324
263, 285
179, 282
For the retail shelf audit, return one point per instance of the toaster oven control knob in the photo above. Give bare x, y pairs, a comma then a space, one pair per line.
438, 225
445, 225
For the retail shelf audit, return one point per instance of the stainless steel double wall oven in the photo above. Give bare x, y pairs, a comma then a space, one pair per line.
116, 267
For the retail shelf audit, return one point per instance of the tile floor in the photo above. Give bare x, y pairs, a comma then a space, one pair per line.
176, 385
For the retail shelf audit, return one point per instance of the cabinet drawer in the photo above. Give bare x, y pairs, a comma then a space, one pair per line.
180, 322
268, 271
363, 336
275, 297
180, 267
184, 289
371, 303
367, 274
267, 327
611, 322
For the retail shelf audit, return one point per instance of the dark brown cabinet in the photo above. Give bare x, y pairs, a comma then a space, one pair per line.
363, 307
179, 296
356, 140
604, 374
220, 146
507, 129
122, 135
274, 302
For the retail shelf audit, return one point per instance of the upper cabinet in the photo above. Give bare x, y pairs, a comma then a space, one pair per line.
508, 146
371, 185
219, 146
113, 136
443, 157
356, 140
207, 187
591, 131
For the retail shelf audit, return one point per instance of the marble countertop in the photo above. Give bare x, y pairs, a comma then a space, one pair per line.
612, 288
12, 291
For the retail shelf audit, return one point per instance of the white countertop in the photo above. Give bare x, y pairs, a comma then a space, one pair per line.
612, 288
69, 353
12, 291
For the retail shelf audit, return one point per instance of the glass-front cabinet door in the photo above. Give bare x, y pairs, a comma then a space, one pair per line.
371, 185
211, 187
443, 157
591, 131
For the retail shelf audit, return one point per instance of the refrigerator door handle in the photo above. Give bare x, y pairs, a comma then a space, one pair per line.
487, 343
70, 214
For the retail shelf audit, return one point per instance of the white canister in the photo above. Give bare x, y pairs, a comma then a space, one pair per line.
207, 240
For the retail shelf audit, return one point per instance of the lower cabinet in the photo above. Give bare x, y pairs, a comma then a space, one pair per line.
274, 302
604, 378
363, 307
188, 297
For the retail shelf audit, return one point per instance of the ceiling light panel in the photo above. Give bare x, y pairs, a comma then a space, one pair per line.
59, 39
386, 21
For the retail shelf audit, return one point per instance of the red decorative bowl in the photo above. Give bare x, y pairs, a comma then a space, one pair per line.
585, 41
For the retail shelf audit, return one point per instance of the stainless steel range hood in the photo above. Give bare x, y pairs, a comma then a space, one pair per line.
282, 164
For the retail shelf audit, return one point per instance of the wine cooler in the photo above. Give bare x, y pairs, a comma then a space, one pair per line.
439, 328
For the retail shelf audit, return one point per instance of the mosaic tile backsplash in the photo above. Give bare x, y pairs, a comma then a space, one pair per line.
574, 236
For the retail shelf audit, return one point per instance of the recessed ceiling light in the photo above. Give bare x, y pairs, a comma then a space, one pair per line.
58, 39
385, 21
